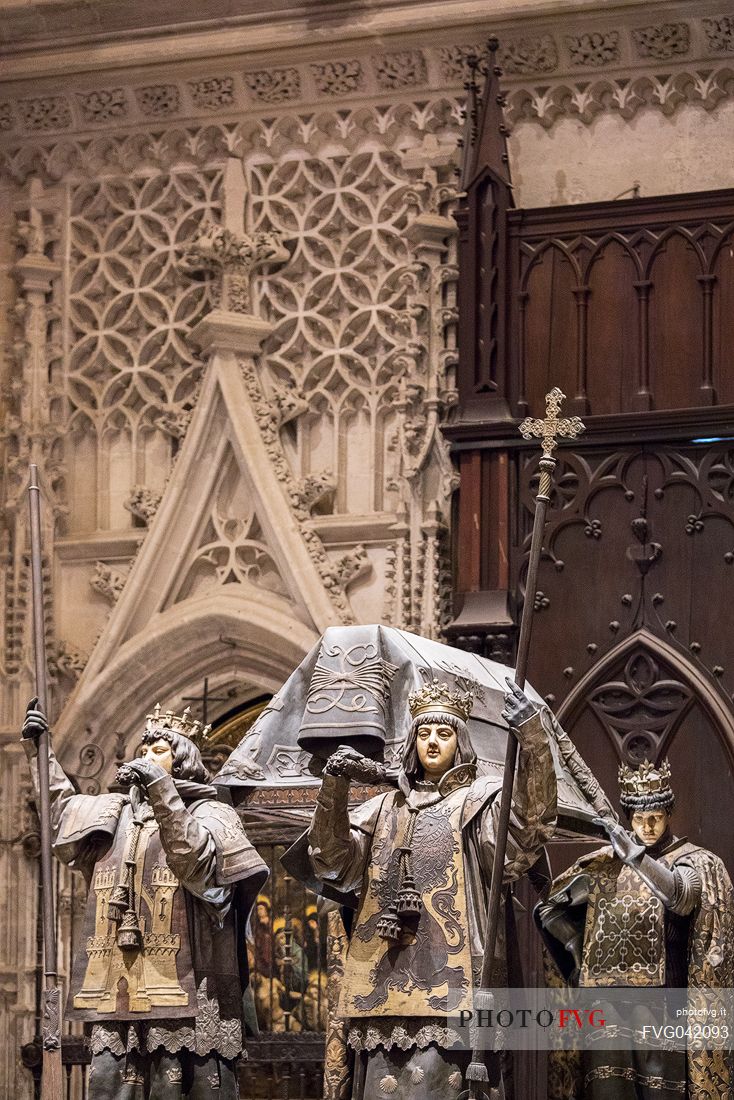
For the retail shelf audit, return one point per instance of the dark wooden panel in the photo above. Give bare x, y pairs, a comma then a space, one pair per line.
467, 526
676, 324
632, 643
626, 305
612, 345
723, 319
482, 221
549, 326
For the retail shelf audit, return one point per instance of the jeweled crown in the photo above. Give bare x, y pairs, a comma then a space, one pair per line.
645, 780
436, 696
163, 722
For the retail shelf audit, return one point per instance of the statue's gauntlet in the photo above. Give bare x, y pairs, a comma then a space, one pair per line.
679, 888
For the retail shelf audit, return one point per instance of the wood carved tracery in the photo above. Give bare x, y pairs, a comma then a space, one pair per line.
647, 510
650, 295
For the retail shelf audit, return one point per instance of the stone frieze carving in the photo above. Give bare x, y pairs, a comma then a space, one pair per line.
662, 41
593, 49
274, 85
529, 55
720, 33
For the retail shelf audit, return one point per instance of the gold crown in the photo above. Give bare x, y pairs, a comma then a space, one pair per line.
168, 722
439, 697
647, 779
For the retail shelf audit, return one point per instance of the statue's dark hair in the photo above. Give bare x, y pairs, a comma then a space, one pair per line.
411, 767
657, 800
187, 761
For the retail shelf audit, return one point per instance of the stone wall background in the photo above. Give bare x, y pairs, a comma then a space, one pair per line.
323, 493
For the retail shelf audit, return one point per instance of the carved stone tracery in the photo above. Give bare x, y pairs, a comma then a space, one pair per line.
625, 95
231, 549
131, 306
378, 346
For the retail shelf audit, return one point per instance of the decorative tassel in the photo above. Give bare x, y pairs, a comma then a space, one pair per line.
129, 936
477, 1071
388, 925
118, 903
409, 899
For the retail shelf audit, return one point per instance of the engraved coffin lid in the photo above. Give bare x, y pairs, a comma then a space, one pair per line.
353, 688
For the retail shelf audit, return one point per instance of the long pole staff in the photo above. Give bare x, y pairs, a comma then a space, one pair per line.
548, 430
51, 1079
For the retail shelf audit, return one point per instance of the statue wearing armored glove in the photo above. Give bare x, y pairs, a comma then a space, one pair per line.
171, 879
419, 858
649, 910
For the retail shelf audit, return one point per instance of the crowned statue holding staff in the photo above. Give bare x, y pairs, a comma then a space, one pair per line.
419, 858
649, 910
171, 875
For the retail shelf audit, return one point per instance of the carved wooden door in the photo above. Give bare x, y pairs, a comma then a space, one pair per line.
633, 645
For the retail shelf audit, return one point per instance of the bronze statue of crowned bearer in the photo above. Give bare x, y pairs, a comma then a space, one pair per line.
420, 859
649, 910
171, 878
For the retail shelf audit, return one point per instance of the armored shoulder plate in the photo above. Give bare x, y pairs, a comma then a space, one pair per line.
85, 814
236, 857
478, 795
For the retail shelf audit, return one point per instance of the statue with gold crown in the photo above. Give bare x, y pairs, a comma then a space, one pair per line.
649, 910
161, 970
419, 857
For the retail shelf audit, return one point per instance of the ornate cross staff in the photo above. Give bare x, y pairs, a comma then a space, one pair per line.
549, 431
51, 1077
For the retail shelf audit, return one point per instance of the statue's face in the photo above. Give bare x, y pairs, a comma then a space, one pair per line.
436, 744
649, 826
159, 752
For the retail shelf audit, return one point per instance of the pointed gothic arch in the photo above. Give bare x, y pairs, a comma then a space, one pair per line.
251, 638
693, 678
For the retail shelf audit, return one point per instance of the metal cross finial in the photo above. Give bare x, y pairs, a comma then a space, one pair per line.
552, 427
549, 431
205, 699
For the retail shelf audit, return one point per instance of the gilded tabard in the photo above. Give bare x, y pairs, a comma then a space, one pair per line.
624, 936
155, 981
427, 972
